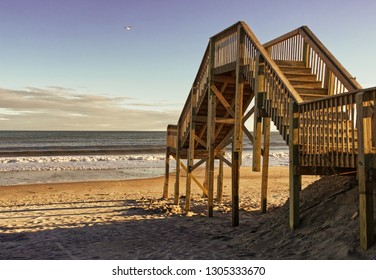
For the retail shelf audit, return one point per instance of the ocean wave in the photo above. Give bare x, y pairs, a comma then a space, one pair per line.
136, 161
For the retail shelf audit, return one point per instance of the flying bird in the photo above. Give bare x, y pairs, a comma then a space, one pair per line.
129, 27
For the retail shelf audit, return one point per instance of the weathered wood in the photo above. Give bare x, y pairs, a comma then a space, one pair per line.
220, 180
366, 182
191, 152
194, 178
235, 187
167, 175
294, 177
265, 165
222, 100
177, 176
237, 141
257, 129
211, 133
199, 140
225, 120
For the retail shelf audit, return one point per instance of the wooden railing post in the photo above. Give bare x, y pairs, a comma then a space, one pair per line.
306, 54
295, 177
366, 183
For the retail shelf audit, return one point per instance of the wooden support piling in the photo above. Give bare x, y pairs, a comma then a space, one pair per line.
257, 130
220, 180
365, 178
167, 175
211, 133
295, 179
191, 151
265, 165
177, 176
237, 143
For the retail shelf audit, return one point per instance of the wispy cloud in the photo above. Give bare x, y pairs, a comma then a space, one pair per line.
56, 108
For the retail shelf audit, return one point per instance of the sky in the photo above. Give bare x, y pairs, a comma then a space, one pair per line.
71, 65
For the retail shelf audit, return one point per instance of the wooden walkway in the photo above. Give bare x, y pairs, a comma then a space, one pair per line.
320, 110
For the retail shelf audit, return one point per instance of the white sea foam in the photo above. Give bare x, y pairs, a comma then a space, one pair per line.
142, 161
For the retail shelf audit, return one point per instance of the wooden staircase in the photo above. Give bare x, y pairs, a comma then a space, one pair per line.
294, 81
302, 79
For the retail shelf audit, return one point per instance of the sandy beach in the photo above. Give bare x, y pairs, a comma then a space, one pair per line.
129, 220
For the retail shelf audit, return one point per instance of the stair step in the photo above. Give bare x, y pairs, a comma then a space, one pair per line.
289, 63
300, 77
312, 91
306, 84
295, 69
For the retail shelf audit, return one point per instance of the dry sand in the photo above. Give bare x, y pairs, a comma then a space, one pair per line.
128, 220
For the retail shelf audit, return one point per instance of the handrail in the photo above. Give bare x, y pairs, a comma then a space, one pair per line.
199, 85
305, 31
268, 60
302, 45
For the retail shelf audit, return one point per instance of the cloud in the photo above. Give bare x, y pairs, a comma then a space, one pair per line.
57, 108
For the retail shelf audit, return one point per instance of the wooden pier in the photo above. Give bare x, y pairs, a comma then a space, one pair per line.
320, 110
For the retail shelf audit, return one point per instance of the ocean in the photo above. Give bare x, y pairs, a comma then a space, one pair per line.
138, 154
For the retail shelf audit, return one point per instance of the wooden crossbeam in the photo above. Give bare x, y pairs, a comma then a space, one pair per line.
224, 142
249, 114
205, 190
198, 164
222, 100
199, 140
225, 120
221, 157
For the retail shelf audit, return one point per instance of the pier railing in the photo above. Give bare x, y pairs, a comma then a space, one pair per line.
327, 132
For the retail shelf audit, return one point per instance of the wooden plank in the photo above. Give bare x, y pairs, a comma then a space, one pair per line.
177, 176
235, 187
191, 152
222, 158
222, 100
237, 140
225, 141
167, 175
211, 133
294, 178
257, 130
194, 178
199, 140
225, 120
342, 117
199, 163
220, 180
265, 165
